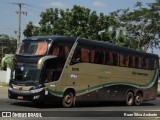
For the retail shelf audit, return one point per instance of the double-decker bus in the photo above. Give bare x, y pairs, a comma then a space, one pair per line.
68, 70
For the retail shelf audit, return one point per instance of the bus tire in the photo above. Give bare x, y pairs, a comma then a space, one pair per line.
138, 99
129, 99
68, 99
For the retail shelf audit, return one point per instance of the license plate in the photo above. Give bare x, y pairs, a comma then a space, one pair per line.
20, 97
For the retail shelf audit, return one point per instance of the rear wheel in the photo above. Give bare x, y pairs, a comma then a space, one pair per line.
68, 100
129, 99
138, 99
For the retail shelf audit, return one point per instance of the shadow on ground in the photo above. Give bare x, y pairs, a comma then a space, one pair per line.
78, 105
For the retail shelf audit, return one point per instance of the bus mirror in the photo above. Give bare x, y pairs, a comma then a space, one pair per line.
43, 59
3, 63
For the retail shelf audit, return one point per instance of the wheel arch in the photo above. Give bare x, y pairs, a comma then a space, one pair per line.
129, 90
70, 90
139, 91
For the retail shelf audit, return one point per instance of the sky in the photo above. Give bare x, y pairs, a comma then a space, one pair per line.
9, 17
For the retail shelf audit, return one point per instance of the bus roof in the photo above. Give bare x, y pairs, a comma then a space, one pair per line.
94, 43
115, 48
47, 37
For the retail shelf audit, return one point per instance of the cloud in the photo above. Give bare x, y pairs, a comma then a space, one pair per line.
99, 4
56, 4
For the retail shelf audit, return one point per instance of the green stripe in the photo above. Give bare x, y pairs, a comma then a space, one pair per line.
104, 85
55, 92
115, 83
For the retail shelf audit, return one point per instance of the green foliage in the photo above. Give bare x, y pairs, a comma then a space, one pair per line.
138, 29
141, 26
7, 45
77, 22
9, 61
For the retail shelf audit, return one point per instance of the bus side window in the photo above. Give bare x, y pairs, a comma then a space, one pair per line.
55, 51
111, 58
131, 61
104, 56
92, 55
155, 64
124, 60
140, 62
127, 61
76, 56
99, 56
152, 63
145, 63
115, 58
136, 62
61, 51
85, 55
107, 58
66, 49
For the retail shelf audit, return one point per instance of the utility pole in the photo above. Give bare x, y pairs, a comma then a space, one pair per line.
19, 20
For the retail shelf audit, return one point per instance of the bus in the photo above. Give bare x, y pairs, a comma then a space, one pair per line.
68, 70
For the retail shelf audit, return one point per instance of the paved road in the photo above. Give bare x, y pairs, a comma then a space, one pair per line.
81, 110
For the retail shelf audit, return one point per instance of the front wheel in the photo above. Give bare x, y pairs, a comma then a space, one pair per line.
68, 100
129, 99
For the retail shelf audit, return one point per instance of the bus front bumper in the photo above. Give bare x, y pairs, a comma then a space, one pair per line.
30, 95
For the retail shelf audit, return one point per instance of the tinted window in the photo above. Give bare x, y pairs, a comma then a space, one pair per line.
60, 50
32, 48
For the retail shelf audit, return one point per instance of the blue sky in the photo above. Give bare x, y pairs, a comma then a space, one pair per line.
9, 18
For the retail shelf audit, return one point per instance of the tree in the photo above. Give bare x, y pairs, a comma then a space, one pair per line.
77, 22
141, 26
7, 45
138, 29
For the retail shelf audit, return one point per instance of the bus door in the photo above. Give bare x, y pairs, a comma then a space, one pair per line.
52, 70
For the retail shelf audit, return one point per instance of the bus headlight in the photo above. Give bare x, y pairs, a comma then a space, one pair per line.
36, 97
36, 90
10, 88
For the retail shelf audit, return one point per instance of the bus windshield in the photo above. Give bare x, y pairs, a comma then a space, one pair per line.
32, 48
26, 73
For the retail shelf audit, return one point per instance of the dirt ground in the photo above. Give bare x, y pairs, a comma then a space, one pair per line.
3, 92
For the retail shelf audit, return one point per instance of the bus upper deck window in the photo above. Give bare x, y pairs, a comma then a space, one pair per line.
55, 51
84, 55
42, 48
115, 58
92, 55
145, 63
32, 48
136, 62
130, 61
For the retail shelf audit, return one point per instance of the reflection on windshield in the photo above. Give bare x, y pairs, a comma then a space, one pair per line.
26, 72
32, 48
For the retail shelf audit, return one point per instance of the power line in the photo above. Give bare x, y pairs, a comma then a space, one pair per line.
33, 10
19, 19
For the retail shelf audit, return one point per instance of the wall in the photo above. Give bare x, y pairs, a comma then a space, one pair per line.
5, 76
